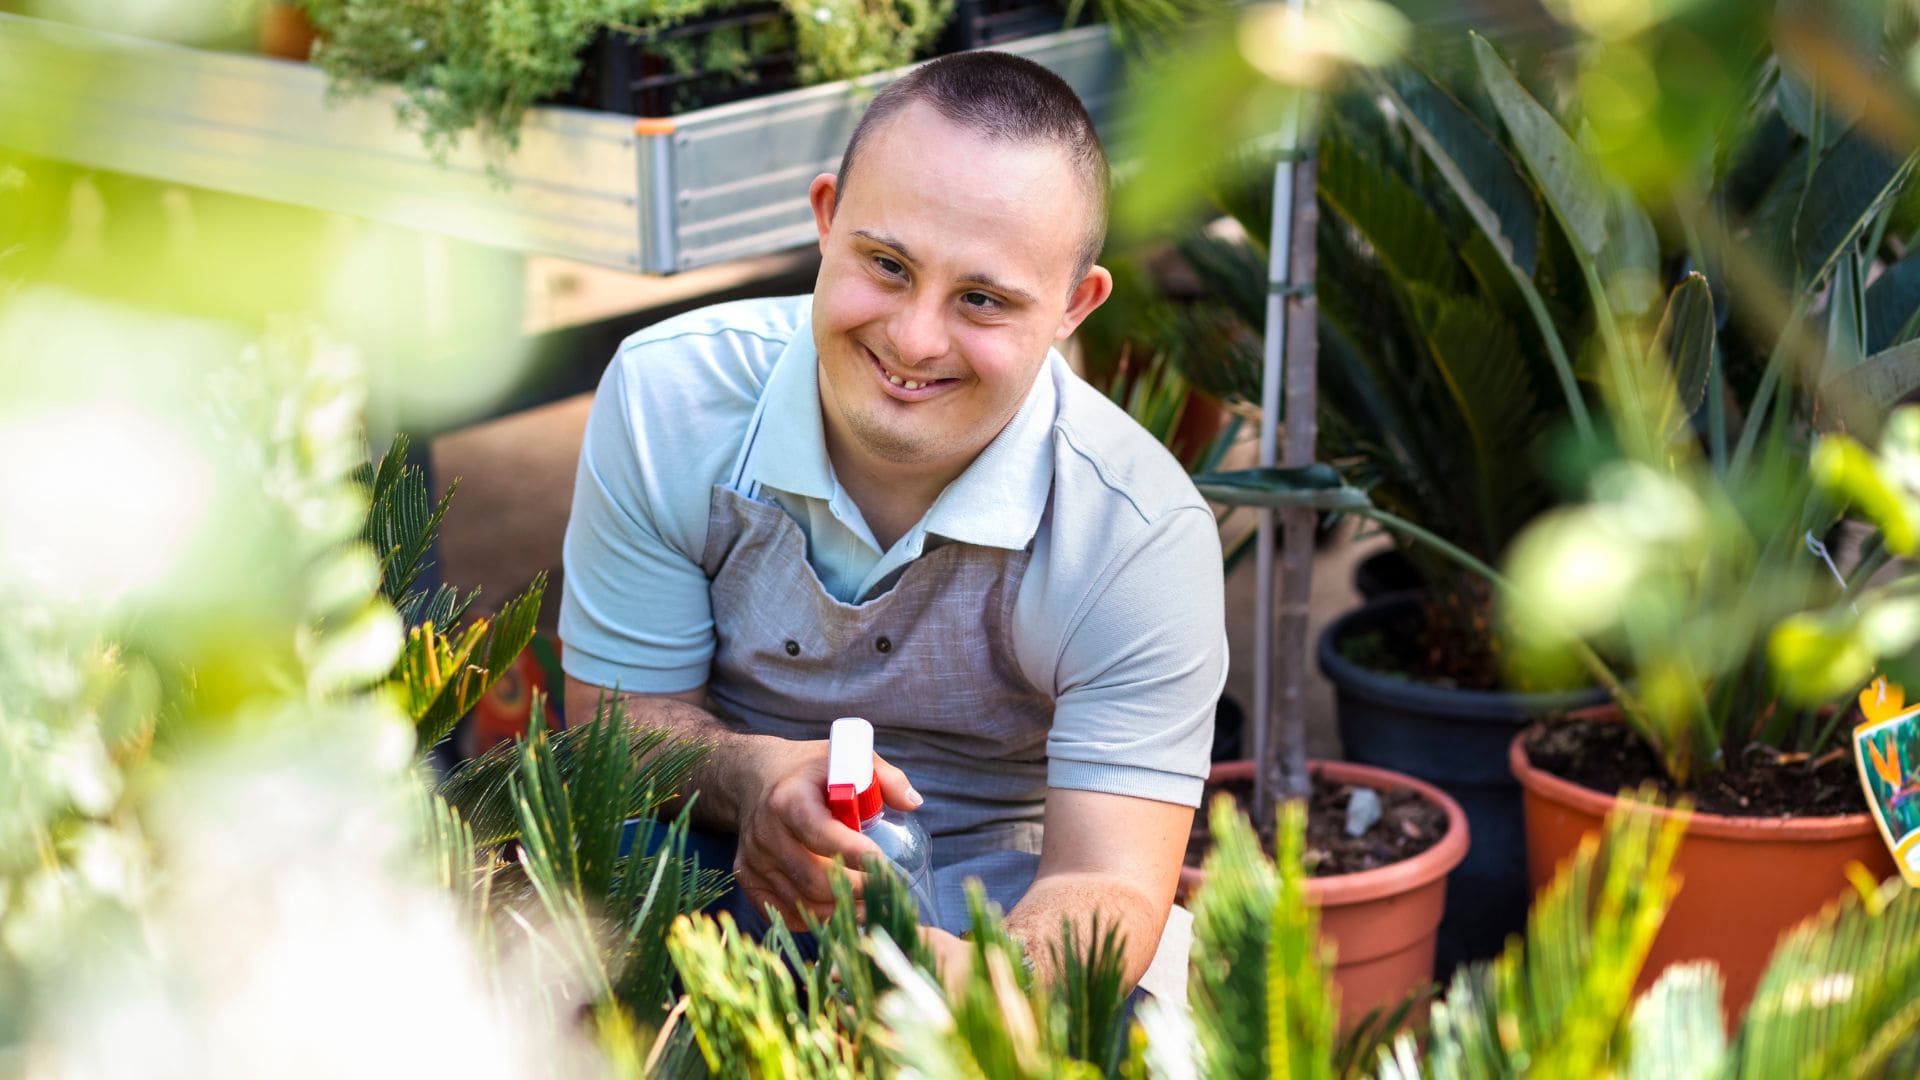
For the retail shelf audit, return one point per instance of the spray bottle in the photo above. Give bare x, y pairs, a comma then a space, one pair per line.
854, 797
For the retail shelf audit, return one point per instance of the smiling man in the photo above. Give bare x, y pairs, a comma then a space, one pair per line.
893, 499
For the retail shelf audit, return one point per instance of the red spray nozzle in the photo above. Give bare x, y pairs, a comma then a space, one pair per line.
852, 795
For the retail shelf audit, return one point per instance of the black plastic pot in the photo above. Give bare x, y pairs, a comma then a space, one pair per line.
1385, 572
667, 71
979, 23
1457, 741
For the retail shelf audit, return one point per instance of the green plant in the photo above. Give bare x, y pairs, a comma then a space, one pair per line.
845, 39
564, 801
442, 672
470, 64
1483, 276
1693, 544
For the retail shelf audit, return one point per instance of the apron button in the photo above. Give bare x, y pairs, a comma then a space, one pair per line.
885, 644
793, 647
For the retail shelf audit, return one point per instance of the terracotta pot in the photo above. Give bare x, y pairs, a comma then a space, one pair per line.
1382, 923
1457, 741
284, 31
1744, 881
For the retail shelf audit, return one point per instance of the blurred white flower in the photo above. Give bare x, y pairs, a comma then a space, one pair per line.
99, 500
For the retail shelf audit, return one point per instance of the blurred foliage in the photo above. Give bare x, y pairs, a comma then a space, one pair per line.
845, 39
1647, 261
470, 64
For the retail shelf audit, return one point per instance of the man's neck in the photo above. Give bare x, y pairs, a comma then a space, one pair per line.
892, 498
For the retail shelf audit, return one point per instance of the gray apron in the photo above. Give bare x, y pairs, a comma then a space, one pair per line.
929, 661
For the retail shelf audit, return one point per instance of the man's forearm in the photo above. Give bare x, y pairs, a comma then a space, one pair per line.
1077, 898
725, 777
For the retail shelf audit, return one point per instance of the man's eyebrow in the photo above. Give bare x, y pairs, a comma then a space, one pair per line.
985, 280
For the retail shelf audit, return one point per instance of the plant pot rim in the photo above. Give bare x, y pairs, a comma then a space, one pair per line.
1364, 682
1759, 830
1393, 879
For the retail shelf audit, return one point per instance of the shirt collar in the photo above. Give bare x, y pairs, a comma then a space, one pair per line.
792, 451
997, 502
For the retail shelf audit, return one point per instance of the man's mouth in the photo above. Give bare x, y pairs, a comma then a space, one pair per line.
902, 387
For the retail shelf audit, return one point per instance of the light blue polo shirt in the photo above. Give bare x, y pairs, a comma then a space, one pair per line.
1121, 612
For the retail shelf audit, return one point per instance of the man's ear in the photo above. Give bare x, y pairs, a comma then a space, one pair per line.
821, 194
1092, 291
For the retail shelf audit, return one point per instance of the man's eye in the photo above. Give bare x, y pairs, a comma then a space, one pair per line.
981, 301
888, 266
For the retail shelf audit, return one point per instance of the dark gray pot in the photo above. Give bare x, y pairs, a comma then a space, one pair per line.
1457, 741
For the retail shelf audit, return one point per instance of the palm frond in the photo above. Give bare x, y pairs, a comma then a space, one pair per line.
653, 885
1362, 1044
477, 664
1841, 996
402, 520
1677, 1032
481, 789
745, 1013
1092, 994
443, 607
1262, 1002
451, 855
611, 911
1556, 1003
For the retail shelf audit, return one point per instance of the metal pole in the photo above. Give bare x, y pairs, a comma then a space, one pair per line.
1265, 724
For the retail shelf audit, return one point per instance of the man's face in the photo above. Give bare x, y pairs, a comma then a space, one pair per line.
946, 273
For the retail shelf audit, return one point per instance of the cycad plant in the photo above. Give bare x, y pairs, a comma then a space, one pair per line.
534, 842
445, 668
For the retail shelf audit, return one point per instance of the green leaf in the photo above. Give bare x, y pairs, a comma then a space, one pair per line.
477, 665
1486, 378
1850, 185
1893, 305
1878, 383
1406, 236
1846, 317
1686, 344
1566, 178
1841, 995
1092, 993
1555, 1004
402, 520
1677, 1032
1317, 486
1262, 1004
1476, 166
1843, 469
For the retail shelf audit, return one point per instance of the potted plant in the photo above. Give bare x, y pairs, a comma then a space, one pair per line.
1440, 391
1552, 280
1427, 829
1698, 556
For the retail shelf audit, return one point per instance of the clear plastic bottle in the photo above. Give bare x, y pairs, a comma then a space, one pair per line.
854, 797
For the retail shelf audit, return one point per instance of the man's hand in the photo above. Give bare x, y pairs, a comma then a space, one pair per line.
771, 793
952, 958
788, 837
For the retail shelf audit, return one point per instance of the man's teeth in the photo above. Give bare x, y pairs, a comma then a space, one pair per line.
908, 383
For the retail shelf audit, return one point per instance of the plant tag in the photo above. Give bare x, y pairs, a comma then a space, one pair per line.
1887, 750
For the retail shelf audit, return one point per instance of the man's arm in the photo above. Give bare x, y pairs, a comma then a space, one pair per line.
770, 792
1115, 855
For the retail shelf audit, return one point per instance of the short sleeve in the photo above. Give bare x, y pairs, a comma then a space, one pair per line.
634, 610
1142, 666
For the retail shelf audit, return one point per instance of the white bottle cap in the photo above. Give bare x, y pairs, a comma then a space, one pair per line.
851, 793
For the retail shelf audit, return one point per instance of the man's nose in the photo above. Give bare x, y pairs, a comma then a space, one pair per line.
919, 331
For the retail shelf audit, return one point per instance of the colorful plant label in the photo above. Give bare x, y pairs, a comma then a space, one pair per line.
1887, 749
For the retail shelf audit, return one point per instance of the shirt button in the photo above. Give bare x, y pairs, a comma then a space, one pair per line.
793, 647
885, 644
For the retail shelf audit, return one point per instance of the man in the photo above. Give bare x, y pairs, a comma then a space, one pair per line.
892, 499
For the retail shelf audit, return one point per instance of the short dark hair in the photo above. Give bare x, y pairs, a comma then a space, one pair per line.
1003, 97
